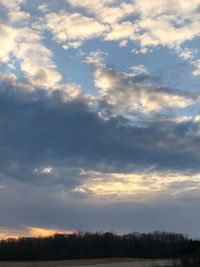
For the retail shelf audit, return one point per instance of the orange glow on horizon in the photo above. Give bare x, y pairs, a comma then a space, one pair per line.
31, 232
36, 232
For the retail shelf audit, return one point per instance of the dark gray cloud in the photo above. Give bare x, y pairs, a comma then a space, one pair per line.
36, 208
38, 131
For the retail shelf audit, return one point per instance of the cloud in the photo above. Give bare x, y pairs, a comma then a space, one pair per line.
148, 24
44, 7
110, 13
48, 131
158, 20
76, 213
95, 58
157, 32
34, 58
83, 161
12, 3
107, 11
14, 12
177, 7
144, 186
152, 24
73, 29
23, 46
102, 20
7, 38
196, 65
109, 20
122, 31
128, 92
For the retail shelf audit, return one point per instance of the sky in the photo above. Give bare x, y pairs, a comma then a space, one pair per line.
99, 116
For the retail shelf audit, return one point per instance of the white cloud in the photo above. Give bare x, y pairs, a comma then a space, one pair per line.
107, 11
170, 25
22, 45
154, 22
73, 29
7, 40
25, 46
139, 69
139, 186
196, 65
12, 3
70, 91
156, 8
187, 53
44, 8
14, 10
45, 170
110, 13
122, 31
157, 32
126, 94
152, 25
35, 59
95, 58
90, 5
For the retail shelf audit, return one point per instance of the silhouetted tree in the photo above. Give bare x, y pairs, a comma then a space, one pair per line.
99, 245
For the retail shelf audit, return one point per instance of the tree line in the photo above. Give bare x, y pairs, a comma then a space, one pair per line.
85, 245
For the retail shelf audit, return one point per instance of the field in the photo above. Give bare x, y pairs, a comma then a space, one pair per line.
93, 263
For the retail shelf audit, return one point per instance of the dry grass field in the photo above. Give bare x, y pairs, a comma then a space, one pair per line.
93, 263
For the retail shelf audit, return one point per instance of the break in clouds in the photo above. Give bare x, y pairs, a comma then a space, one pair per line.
99, 116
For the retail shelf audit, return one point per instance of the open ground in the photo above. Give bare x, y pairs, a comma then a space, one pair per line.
93, 263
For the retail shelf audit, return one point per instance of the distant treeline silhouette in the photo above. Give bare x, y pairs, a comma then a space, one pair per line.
98, 245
